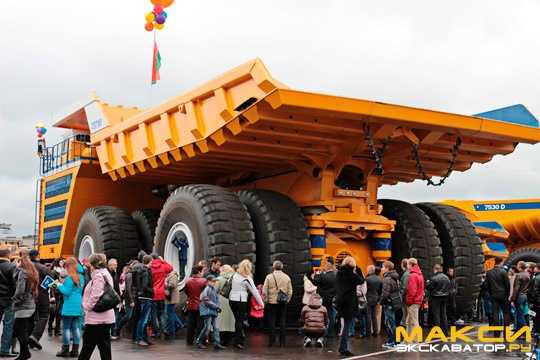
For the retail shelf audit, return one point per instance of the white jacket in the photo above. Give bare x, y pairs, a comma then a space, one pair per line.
240, 287
309, 289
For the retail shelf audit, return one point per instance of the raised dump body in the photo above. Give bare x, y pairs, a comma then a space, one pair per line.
244, 167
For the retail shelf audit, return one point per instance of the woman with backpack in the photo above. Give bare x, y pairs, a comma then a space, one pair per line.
277, 290
225, 319
97, 327
71, 289
241, 286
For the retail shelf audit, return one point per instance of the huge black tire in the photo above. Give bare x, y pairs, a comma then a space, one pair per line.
462, 250
218, 222
280, 234
524, 254
108, 230
414, 235
146, 222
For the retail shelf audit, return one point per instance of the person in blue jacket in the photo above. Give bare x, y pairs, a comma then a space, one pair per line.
209, 309
71, 289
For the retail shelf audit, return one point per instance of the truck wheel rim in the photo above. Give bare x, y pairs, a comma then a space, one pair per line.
171, 252
87, 247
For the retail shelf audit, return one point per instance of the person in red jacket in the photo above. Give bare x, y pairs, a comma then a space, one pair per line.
415, 293
194, 287
160, 269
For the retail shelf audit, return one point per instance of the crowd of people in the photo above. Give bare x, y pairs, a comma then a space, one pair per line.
92, 302
509, 296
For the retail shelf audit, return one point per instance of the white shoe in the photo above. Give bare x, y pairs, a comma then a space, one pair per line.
320, 342
307, 342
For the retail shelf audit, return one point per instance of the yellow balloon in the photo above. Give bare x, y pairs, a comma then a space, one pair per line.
159, 26
164, 3
40, 125
150, 17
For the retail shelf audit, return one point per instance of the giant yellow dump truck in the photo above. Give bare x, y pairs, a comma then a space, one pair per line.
245, 167
508, 228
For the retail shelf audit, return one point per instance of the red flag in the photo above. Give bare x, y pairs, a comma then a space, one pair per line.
156, 64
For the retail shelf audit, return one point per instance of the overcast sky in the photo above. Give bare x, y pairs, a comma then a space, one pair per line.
458, 56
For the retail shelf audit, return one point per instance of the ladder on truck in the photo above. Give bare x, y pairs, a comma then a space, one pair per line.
37, 217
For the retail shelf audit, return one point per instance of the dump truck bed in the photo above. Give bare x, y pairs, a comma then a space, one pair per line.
245, 125
520, 218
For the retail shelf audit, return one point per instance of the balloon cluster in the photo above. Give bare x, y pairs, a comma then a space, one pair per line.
41, 130
156, 19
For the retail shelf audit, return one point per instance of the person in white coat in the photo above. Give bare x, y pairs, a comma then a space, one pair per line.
309, 289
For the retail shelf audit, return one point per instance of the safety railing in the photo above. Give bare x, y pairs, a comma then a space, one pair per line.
67, 153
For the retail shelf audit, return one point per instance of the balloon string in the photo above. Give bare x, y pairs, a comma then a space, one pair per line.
151, 84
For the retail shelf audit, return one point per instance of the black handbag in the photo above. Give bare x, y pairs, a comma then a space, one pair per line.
282, 297
109, 300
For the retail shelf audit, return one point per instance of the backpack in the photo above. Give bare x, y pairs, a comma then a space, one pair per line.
227, 287
141, 282
362, 300
396, 298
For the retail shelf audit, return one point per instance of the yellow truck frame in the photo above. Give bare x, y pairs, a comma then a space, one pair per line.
245, 167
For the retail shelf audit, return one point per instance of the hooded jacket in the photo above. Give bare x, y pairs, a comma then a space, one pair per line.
160, 269
415, 286
347, 279
390, 285
314, 316
72, 293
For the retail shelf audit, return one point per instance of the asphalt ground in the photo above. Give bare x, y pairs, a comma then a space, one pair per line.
369, 348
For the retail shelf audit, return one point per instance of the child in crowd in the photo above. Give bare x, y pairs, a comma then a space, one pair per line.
209, 309
71, 287
314, 316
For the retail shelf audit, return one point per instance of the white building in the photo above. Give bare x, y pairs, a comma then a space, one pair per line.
8, 237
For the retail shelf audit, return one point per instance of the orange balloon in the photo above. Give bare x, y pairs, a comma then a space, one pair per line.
164, 3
